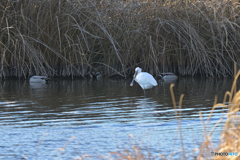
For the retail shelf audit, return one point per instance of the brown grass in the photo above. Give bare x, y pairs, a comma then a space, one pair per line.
230, 136
75, 37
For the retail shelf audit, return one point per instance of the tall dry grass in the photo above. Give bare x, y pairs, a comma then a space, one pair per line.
230, 136
75, 37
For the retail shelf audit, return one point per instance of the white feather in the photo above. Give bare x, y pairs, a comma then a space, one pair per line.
144, 79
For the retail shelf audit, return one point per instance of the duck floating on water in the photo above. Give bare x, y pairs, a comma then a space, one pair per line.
38, 79
144, 79
168, 76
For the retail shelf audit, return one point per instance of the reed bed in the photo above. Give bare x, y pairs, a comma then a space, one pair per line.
76, 37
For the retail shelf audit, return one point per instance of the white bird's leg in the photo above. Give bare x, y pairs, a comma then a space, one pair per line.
144, 92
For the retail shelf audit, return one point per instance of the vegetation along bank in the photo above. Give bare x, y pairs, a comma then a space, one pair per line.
71, 38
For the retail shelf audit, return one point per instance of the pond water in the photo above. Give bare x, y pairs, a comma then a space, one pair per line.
99, 117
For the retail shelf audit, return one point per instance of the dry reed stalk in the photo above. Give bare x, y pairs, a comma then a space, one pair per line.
230, 136
70, 38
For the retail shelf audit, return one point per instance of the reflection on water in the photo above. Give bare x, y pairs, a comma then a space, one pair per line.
101, 115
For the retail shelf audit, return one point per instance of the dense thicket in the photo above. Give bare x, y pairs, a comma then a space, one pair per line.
75, 37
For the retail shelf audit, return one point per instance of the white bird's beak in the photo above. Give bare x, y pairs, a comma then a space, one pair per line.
134, 76
131, 84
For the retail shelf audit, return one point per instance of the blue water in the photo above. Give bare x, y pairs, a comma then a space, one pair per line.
69, 119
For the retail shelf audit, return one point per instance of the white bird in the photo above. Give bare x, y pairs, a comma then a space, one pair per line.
38, 79
168, 76
144, 79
